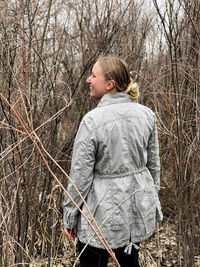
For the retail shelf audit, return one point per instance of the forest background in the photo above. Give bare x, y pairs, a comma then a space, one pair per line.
47, 49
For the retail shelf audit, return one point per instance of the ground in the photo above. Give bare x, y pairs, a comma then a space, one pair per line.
159, 250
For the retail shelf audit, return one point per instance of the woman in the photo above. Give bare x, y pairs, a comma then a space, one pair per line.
115, 166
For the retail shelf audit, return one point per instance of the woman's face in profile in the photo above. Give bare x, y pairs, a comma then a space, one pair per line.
97, 82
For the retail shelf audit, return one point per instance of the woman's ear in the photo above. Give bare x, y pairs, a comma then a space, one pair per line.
110, 85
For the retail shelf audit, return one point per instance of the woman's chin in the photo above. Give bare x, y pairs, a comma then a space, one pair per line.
92, 94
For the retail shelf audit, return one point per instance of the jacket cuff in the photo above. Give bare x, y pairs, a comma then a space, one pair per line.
70, 220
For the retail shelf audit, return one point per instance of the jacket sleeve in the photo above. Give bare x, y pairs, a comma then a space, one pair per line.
153, 159
83, 159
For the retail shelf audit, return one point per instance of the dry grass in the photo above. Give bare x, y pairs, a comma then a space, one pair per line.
159, 250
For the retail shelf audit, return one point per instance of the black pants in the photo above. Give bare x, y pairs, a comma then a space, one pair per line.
96, 257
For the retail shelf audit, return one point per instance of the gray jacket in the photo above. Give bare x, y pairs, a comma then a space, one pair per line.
116, 167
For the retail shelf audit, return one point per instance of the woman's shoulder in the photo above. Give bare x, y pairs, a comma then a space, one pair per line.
144, 107
93, 118
144, 111
102, 115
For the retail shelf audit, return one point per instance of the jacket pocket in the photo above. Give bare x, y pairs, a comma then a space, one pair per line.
120, 216
145, 213
145, 203
94, 201
117, 220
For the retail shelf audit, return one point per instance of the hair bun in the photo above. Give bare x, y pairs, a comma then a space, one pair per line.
132, 89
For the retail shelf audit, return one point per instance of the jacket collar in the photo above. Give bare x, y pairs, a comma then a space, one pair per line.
109, 99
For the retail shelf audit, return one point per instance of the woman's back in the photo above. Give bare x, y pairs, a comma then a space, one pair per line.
121, 129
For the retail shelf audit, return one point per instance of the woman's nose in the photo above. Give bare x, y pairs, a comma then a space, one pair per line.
88, 80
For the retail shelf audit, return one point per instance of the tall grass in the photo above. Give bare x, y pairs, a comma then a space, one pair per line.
47, 51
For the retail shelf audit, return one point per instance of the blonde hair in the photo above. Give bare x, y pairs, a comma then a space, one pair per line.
116, 69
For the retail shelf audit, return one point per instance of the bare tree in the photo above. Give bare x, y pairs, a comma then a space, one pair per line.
47, 50
180, 100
